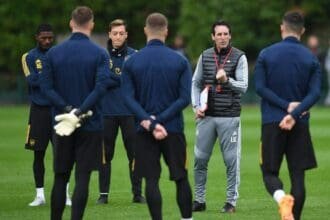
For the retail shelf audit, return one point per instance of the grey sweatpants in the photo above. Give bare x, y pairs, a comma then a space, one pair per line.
228, 130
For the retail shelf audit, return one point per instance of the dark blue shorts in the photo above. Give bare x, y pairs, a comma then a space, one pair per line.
81, 148
296, 145
39, 131
148, 153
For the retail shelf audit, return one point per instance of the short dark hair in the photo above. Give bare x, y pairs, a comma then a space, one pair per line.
81, 15
294, 21
44, 28
116, 23
220, 23
156, 22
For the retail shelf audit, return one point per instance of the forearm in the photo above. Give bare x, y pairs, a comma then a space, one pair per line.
197, 85
240, 84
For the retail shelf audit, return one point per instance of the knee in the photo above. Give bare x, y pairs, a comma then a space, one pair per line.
201, 164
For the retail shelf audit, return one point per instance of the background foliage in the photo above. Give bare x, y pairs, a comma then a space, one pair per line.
255, 24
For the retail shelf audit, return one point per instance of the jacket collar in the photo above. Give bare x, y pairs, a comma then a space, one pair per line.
222, 51
291, 39
78, 36
118, 52
155, 42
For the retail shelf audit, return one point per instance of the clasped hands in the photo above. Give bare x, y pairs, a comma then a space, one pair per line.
68, 122
288, 121
159, 132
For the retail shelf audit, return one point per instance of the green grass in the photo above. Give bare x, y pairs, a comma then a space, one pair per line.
17, 187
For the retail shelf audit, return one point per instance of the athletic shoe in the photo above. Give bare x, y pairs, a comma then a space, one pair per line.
198, 206
68, 201
285, 207
38, 201
138, 199
228, 208
103, 199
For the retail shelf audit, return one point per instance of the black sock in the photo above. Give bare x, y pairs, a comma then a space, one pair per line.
39, 168
154, 198
80, 195
58, 195
184, 197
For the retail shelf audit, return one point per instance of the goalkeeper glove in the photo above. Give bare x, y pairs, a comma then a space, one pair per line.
68, 122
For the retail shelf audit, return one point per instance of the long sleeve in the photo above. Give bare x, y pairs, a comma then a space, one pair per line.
197, 84
129, 95
240, 84
183, 99
32, 77
261, 85
47, 85
314, 91
104, 79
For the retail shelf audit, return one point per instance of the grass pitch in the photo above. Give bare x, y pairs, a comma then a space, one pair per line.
17, 186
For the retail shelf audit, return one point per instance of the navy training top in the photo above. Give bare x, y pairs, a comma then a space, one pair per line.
157, 82
286, 72
32, 67
76, 73
113, 101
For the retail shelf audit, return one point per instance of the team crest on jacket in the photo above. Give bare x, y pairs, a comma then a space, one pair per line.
110, 64
38, 64
117, 71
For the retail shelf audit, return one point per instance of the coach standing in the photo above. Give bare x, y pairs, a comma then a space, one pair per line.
157, 82
223, 71
76, 74
287, 78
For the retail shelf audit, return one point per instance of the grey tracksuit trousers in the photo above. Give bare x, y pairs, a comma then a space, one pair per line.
228, 130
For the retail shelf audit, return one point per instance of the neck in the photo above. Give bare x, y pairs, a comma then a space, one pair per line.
285, 35
82, 30
156, 37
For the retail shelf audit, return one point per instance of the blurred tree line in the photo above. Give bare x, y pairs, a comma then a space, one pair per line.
255, 24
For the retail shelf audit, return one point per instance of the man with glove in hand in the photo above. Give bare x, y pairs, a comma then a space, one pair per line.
76, 74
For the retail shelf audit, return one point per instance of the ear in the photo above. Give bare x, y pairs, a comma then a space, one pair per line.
71, 24
212, 36
145, 29
166, 32
302, 31
92, 24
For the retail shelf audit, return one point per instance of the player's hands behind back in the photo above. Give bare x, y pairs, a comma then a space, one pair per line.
68, 122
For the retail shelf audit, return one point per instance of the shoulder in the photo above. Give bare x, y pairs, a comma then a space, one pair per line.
131, 50
208, 51
269, 49
238, 51
30, 53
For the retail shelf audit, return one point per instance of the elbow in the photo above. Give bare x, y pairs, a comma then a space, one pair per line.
317, 94
244, 88
186, 100
258, 90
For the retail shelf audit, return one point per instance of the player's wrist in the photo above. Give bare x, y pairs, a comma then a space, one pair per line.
153, 123
67, 109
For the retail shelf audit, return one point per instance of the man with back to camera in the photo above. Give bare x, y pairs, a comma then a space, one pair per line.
75, 76
221, 73
40, 120
288, 80
117, 115
158, 82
